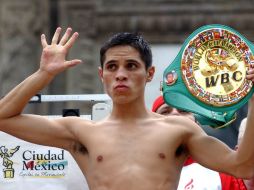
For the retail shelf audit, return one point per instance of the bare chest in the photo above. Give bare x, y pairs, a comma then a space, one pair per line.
131, 155
134, 146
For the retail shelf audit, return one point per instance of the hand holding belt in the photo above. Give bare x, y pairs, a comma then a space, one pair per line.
208, 76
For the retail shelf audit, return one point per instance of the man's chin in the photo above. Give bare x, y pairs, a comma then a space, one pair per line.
121, 98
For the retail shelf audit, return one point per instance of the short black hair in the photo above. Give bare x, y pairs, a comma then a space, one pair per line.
131, 39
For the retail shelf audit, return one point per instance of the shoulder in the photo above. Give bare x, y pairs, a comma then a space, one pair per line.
179, 124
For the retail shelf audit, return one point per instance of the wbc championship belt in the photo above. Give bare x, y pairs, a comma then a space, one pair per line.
208, 76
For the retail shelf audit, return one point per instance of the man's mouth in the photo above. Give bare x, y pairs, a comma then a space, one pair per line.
121, 87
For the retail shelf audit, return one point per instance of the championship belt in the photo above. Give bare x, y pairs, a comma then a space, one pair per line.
208, 76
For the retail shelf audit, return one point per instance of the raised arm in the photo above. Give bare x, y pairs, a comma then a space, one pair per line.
215, 155
35, 128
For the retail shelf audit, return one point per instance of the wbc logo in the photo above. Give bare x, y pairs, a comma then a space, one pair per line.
214, 66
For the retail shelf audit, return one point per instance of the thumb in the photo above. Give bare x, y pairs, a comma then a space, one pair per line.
73, 62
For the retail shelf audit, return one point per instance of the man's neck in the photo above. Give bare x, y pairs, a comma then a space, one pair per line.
129, 111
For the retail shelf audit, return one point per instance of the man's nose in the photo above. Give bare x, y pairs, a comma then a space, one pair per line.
175, 112
121, 74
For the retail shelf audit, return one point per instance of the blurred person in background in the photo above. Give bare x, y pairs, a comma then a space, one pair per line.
228, 134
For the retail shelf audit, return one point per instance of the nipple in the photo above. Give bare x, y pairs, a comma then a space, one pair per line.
99, 158
162, 155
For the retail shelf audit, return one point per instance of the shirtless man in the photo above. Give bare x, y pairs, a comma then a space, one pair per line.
124, 151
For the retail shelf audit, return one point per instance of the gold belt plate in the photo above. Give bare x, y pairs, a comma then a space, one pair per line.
214, 66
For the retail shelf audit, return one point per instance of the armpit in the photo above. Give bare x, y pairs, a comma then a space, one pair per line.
78, 147
180, 150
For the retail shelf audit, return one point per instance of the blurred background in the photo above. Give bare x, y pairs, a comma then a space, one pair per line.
163, 23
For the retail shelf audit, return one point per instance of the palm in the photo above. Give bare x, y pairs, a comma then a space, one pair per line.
53, 58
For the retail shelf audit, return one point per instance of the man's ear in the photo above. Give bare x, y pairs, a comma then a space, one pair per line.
150, 73
100, 72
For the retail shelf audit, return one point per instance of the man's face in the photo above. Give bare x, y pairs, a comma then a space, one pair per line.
170, 78
165, 109
123, 74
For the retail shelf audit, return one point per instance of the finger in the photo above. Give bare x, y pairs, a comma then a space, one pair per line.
73, 62
250, 71
56, 36
71, 41
250, 77
43, 41
65, 36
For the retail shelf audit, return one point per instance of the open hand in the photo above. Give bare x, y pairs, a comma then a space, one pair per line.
53, 58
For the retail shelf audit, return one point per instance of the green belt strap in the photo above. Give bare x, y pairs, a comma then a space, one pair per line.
208, 76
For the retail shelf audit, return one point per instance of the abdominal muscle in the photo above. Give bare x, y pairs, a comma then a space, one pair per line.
131, 178
121, 172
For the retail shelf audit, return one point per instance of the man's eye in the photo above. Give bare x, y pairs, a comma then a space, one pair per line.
111, 67
166, 112
131, 66
182, 111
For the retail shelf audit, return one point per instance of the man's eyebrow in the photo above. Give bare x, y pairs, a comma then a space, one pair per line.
132, 60
166, 109
128, 60
110, 61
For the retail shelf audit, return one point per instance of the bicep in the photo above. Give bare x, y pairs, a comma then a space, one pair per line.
211, 152
38, 130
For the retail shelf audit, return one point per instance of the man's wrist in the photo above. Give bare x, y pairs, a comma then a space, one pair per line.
45, 74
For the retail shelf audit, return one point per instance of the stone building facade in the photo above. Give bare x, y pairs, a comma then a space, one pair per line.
160, 21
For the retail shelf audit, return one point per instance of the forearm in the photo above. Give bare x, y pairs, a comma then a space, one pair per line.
14, 102
245, 152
